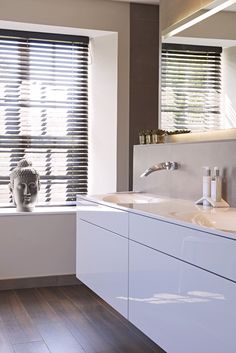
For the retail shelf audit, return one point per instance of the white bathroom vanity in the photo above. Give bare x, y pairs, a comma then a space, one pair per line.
165, 265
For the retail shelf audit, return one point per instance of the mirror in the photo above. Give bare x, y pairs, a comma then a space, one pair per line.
218, 30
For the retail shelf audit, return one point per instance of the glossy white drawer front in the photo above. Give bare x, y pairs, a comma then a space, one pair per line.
211, 252
102, 263
182, 308
106, 217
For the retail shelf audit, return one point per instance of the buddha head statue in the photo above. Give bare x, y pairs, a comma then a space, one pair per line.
24, 186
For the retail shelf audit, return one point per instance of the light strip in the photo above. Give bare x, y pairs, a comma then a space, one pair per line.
197, 19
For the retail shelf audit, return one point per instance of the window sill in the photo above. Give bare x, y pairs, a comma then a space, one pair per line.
39, 211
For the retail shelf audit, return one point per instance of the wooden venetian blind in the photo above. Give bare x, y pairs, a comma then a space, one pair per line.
191, 87
44, 111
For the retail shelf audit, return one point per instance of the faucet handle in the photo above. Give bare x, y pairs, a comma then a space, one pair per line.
171, 165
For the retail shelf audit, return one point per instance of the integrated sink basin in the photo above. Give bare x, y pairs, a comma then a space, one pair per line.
223, 219
131, 197
213, 218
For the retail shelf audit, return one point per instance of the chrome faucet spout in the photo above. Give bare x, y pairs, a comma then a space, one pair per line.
160, 166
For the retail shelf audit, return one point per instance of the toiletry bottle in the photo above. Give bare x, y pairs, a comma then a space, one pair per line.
206, 185
216, 185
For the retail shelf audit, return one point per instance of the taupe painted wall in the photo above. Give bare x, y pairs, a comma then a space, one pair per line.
173, 11
144, 72
210, 28
86, 14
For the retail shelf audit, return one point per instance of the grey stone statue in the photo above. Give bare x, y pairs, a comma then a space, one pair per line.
24, 186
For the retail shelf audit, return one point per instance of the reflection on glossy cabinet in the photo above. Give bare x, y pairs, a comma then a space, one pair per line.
182, 308
102, 263
200, 248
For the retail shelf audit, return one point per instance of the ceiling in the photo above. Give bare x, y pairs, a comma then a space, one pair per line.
229, 8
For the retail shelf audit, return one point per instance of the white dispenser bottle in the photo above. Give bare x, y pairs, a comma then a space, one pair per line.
216, 186
206, 185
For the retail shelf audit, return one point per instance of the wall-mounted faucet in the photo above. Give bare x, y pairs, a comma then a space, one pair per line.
160, 166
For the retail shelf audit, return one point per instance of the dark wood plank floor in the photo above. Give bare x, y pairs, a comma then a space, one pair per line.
70, 319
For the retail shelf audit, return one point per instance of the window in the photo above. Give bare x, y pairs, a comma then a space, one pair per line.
191, 87
44, 111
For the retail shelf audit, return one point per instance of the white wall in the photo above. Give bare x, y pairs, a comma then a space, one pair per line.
35, 245
228, 86
103, 113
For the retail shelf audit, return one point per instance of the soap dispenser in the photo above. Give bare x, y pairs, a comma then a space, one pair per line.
212, 189
206, 185
216, 185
